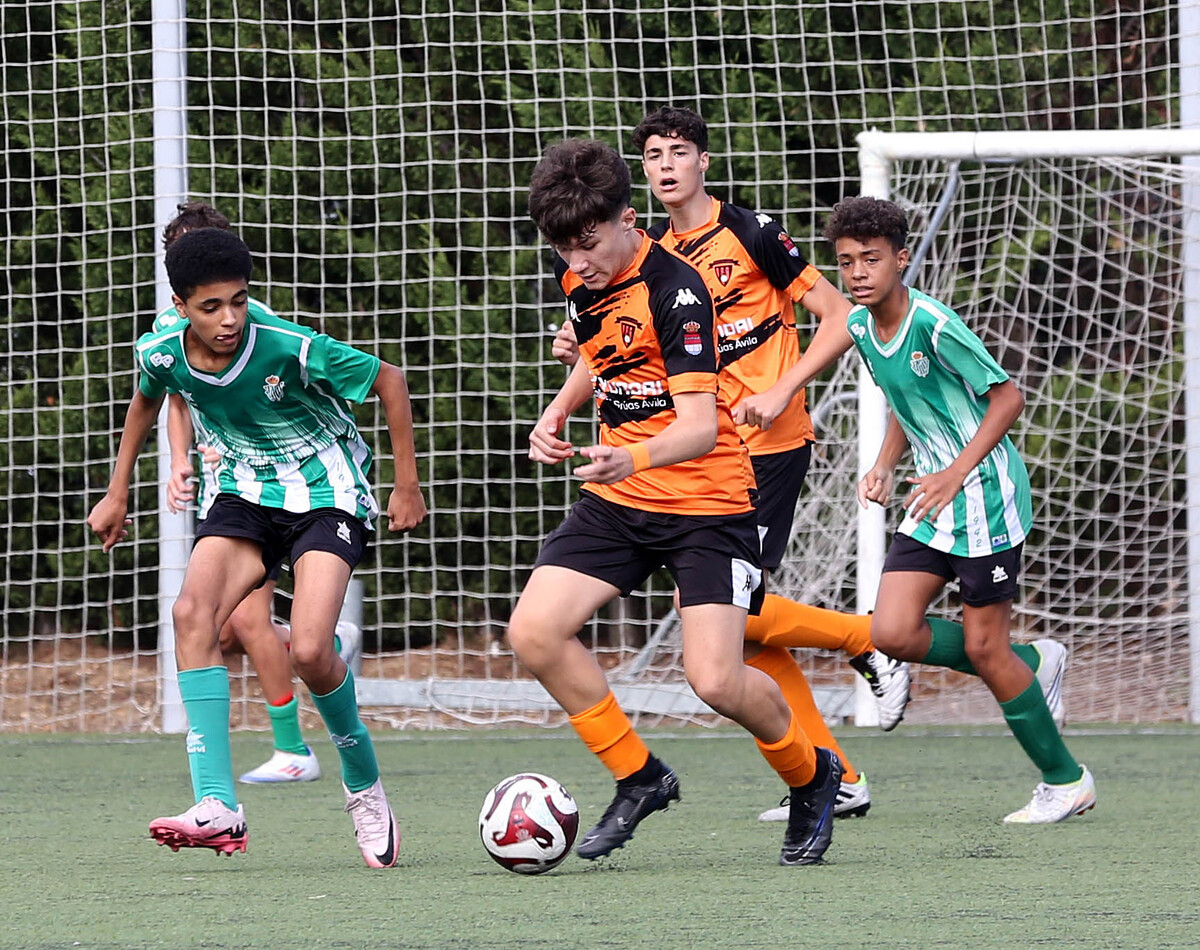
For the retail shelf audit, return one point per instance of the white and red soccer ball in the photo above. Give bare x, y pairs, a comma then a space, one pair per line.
528, 823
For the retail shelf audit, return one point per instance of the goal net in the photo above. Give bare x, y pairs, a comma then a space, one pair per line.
375, 155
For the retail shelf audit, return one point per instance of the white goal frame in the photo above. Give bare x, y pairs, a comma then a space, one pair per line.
877, 151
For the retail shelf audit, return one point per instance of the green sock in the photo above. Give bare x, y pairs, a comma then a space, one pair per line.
1029, 719
285, 724
946, 648
205, 695
339, 709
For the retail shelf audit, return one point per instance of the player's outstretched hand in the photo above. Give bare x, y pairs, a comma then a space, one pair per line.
544, 444
108, 520
406, 508
607, 465
565, 347
761, 409
181, 487
931, 493
875, 486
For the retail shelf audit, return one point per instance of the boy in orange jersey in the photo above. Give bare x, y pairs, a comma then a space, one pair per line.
668, 485
756, 274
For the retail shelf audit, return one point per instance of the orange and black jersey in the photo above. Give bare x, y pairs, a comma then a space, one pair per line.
646, 338
754, 272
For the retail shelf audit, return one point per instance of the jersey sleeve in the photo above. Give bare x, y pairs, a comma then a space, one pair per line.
149, 385
345, 370
964, 353
776, 254
683, 321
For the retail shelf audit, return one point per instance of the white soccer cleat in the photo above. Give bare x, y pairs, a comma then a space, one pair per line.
853, 800
1052, 664
210, 823
1053, 803
374, 825
284, 767
890, 680
350, 645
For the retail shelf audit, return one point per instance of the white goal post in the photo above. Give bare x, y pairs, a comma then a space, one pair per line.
880, 156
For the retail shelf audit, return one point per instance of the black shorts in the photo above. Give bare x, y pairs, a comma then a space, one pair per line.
780, 477
985, 580
712, 558
285, 535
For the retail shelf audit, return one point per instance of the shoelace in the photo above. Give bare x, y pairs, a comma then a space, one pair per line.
1043, 793
368, 813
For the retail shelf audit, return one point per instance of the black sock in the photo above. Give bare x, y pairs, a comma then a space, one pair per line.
648, 773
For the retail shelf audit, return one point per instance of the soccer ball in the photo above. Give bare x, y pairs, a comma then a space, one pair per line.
528, 823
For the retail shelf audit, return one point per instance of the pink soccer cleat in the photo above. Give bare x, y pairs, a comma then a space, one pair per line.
210, 823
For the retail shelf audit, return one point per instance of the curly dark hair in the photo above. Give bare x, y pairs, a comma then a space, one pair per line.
190, 215
865, 217
576, 185
205, 256
672, 122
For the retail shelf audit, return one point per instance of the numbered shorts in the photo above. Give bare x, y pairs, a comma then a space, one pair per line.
985, 580
780, 477
712, 558
285, 535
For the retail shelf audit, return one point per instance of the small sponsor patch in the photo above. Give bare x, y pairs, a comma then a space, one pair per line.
163, 360
692, 344
788, 244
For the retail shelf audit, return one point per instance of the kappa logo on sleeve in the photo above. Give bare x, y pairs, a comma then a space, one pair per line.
684, 297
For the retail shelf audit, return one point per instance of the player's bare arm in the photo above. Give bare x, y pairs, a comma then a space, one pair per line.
406, 505
545, 446
831, 340
876, 484
107, 518
931, 493
181, 489
692, 434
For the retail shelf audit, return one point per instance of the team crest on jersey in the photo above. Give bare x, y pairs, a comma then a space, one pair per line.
788, 245
723, 270
629, 327
692, 344
919, 363
273, 387
162, 360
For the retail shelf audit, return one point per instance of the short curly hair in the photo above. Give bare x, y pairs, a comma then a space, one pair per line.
205, 256
672, 122
190, 215
578, 184
866, 217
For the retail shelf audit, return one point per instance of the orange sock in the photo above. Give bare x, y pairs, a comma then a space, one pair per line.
786, 623
608, 733
780, 665
793, 756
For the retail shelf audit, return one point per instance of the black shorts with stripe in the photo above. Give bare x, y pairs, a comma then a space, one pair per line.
285, 535
780, 477
713, 558
990, 579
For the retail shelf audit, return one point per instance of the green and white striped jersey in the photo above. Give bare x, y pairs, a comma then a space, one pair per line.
279, 414
934, 373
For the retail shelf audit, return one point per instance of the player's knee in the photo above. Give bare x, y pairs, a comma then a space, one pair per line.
192, 615
530, 640
229, 640
312, 657
717, 686
987, 653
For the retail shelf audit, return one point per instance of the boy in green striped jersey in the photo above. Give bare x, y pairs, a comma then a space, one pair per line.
274, 400
968, 509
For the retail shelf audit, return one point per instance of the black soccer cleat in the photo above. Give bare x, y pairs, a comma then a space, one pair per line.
632, 803
810, 815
